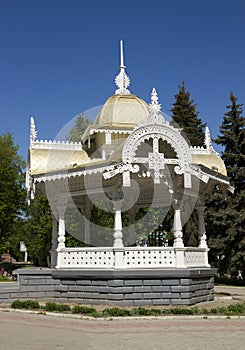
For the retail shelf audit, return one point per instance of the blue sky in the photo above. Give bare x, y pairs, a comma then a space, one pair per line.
60, 57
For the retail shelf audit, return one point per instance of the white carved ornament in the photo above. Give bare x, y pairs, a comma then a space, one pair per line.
155, 159
122, 80
33, 132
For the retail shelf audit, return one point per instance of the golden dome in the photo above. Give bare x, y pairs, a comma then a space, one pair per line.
211, 161
123, 109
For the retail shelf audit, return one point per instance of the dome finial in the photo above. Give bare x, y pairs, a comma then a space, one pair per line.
122, 80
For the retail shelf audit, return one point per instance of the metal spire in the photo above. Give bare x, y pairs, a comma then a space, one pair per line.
122, 80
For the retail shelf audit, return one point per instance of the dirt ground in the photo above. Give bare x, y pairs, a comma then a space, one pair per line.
25, 330
22, 331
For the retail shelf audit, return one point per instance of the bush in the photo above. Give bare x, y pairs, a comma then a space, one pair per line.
83, 310
181, 311
237, 308
155, 312
57, 307
229, 281
115, 311
141, 311
28, 304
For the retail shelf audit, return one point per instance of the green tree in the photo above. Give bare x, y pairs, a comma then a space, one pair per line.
37, 231
226, 216
184, 114
12, 193
78, 129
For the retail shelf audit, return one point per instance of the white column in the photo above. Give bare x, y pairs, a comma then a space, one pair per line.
178, 241
201, 227
118, 235
202, 233
178, 234
61, 234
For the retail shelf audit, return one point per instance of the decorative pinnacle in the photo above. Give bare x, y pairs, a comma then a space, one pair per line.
33, 132
154, 105
122, 80
207, 141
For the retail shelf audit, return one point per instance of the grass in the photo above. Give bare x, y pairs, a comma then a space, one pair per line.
231, 310
4, 279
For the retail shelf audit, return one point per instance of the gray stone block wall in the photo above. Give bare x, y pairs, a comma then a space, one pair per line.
113, 287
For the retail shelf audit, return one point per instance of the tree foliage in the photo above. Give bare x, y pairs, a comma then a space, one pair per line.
184, 114
78, 129
38, 231
226, 216
12, 193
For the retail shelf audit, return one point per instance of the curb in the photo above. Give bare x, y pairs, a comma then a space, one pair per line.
110, 318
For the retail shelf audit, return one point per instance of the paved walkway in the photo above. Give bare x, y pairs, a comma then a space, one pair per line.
22, 331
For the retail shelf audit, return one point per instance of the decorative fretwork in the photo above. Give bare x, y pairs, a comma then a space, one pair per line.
155, 159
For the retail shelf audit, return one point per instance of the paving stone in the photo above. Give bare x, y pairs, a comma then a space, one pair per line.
152, 282
115, 283
99, 283
161, 301
133, 296
133, 282
180, 289
152, 295
160, 288
115, 296
142, 289
84, 282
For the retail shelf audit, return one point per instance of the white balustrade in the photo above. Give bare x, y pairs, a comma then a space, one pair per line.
130, 257
196, 257
149, 257
86, 258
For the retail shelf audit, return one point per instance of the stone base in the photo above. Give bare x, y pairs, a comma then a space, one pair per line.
114, 287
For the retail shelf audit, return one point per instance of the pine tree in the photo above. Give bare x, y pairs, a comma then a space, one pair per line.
233, 139
226, 217
184, 114
78, 129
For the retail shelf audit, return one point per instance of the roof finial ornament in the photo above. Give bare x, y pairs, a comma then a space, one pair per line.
207, 141
33, 132
155, 116
154, 105
122, 80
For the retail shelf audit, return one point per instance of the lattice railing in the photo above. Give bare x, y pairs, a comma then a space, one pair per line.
130, 257
86, 257
149, 257
195, 257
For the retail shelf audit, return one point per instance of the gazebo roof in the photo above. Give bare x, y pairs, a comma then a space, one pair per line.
125, 110
127, 114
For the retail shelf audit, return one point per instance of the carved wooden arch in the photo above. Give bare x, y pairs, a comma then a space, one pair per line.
166, 133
